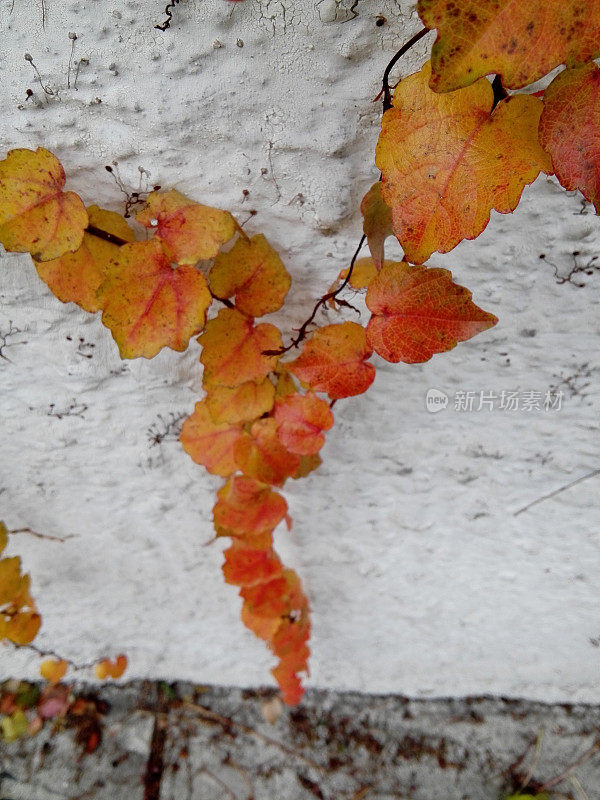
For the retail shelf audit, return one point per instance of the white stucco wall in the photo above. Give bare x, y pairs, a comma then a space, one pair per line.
421, 578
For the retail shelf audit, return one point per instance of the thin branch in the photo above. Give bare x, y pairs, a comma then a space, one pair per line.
591, 474
567, 771
108, 237
45, 535
500, 92
223, 300
168, 11
227, 722
52, 654
321, 302
387, 95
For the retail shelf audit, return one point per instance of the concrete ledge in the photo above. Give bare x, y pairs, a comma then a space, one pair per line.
182, 742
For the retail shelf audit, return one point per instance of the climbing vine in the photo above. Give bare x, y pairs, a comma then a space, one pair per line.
453, 146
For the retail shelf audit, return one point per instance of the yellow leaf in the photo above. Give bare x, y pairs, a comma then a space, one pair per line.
36, 216
189, 231
447, 160
254, 273
149, 305
77, 276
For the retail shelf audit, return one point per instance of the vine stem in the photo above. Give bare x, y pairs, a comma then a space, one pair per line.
320, 302
52, 654
385, 89
44, 535
301, 334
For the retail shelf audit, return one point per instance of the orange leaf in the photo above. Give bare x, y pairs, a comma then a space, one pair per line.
261, 455
377, 223
267, 599
3, 536
11, 580
242, 403
23, 627
247, 506
111, 669
262, 627
419, 311
208, 442
363, 272
447, 160
245, 566
569, 130
149, 305
189, 231
289, 683
301, 420
53, 670
520, 39
333, 361
77, 276
233, 349
36, 216
254, 273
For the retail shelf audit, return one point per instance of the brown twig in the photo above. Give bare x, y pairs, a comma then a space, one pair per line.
227, 722
168, 11
385, 88
44, 535
591, 474
321, 302
567, 771
500, 92
108, 237
52, 654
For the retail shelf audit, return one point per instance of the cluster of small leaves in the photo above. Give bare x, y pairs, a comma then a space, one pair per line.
25, 710
263, 417
452, 148
19, 619
449, 153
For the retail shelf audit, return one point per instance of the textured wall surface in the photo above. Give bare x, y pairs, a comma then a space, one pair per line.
422, 577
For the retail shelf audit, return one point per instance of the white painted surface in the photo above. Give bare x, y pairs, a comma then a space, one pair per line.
421, 578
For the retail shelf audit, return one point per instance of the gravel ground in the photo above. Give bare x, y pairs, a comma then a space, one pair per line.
178, 741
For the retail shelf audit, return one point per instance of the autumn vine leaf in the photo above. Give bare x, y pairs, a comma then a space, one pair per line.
77, 276
246, 566
233, 349
242, 403
247, 508
377, 222
260, 454
522, 40
448, 159
254, 273
148, 305
334, 359
19, 620
111, 669
188, 230
569, 129
36, 215
210, 443
419, 311
53, 670
301, 420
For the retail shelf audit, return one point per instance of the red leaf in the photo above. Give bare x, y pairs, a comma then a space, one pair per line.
570, 130
301, 420
333, 361
419, 311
